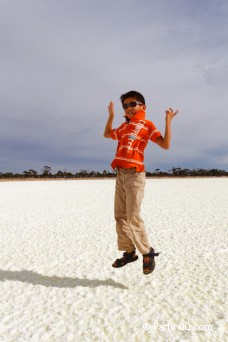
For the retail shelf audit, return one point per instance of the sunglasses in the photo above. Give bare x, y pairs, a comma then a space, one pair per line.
131, 104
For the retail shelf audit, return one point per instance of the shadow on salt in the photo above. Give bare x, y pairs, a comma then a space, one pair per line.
33, 278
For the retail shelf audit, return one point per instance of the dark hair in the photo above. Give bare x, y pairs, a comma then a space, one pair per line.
139, 97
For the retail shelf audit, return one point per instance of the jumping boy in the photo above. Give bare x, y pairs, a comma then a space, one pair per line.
133, 136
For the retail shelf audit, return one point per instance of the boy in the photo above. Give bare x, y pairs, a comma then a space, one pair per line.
133, 136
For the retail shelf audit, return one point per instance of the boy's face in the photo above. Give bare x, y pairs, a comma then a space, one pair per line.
133, 107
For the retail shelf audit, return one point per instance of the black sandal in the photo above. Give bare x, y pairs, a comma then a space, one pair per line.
126, 259
149, 266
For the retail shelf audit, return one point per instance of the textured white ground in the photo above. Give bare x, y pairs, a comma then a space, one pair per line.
57, 245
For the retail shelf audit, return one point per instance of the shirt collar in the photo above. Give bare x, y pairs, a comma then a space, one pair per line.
140, 115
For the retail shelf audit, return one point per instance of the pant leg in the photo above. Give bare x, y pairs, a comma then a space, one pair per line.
124, 236
134, 187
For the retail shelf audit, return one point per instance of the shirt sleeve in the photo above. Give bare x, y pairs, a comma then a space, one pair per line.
113, 133
116, 132
153, 132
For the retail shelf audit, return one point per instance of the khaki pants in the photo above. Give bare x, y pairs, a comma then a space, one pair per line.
129, 224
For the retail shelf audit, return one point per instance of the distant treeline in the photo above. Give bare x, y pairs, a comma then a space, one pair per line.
174, 172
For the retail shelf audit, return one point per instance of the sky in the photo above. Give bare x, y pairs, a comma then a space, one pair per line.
63, 61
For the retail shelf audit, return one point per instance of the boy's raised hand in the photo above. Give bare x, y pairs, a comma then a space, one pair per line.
111, 109
170, 114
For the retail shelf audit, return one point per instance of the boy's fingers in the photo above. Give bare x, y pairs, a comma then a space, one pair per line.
171, 111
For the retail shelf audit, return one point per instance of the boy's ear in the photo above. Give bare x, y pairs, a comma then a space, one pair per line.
144, 107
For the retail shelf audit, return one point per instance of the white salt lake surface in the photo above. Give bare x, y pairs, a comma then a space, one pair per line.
57, 245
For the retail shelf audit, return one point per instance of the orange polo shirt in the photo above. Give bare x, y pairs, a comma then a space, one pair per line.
132, 140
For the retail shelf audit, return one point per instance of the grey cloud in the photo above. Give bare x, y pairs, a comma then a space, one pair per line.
215, 73
62, 62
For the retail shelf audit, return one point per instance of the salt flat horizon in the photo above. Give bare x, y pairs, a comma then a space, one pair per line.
104, 178
57, 245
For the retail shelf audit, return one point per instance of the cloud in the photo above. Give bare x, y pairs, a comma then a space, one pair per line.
214, 73
62, 62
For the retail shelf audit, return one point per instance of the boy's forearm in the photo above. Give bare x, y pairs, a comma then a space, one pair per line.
108, 127
167, 136
165, 142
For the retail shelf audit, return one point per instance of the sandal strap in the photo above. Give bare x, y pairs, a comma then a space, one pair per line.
125, 258
147, 264
154, 254
151, 255
119, 261
128, 256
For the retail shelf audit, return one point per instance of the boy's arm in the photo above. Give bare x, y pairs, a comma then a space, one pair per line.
108, 126
165, 142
